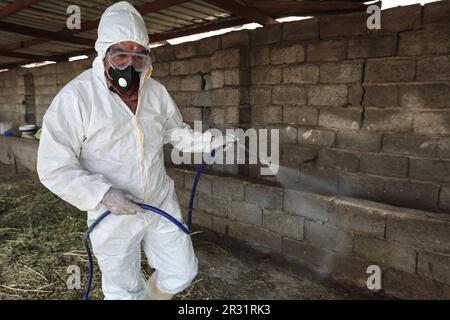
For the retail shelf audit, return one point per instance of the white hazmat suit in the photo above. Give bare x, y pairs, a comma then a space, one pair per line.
91, 141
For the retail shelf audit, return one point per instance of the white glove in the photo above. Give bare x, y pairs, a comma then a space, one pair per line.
224, 141
121, 202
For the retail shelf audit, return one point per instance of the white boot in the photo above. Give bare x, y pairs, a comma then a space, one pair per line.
154, 292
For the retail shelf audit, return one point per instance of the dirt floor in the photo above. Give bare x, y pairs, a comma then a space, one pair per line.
40, 236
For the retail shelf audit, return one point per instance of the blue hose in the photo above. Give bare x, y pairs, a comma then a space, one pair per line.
147, 207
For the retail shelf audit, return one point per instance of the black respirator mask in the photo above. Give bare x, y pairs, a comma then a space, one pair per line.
124, 79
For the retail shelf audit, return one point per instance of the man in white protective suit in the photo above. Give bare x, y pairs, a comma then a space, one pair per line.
101, 149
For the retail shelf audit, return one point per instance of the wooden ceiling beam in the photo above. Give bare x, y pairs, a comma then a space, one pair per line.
304, 8
248, 13
92, 24
203, 28
15, 7
49, 35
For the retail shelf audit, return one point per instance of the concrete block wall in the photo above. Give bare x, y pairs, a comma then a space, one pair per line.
22, 153
362, 113
46, 83
336, 236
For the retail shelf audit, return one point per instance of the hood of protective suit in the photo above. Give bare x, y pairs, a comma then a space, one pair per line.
120, 22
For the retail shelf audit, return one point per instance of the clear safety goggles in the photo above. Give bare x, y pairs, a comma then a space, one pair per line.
122, 58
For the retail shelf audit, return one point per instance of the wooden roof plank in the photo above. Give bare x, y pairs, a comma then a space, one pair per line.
248, 13
16, 6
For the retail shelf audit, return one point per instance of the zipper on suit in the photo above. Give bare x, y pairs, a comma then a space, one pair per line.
139, 137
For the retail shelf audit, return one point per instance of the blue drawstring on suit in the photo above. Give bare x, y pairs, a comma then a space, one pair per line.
147, 207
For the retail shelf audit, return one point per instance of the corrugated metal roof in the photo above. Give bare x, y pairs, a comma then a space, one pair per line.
51, 15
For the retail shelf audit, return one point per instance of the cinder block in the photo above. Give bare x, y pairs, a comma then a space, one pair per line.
297, 155
390, 70
317, 137
380, 96
419, 96
49, 89
358, 140
259, 56
341, 72
331, 50
444, 198
213, 205
435, 15
183, 98
388, 120
346, 25
322, 235
260, 95
434, 266
202, 219
282, 54
302, 74
235, 39
405, 285
236, 77
266, 35
360, 185
360, 216
436, 68
191, 83
266, 75
228, 188
386, 254
185, 50
432, 123
314, 258
300, 115
226, 97
422, 230
180, 67
443, 147
320, 179
338, 159
171, 83
415, 43
264, 196
229, 58
204, 185
258, 238
284, 224
215, 80
427, 169
328, 95
289, 95
208, 45
245, 212
340, 118
306, 204
384, 165
47, 79
411, 194
190, 114
399, 19
200, 65
161, 69
307, 29
164, 53
372, 46
409, 144
266, 115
